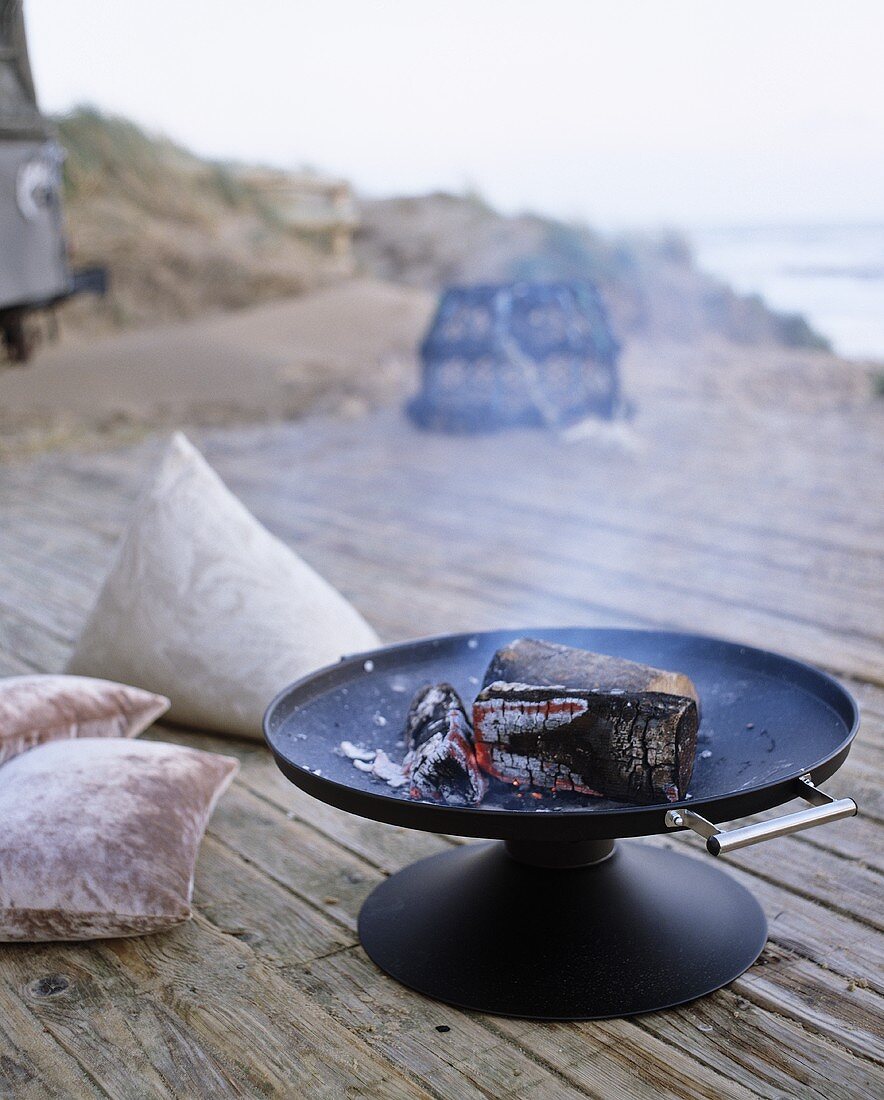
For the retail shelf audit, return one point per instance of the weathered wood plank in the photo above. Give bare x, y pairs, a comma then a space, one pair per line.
32, 1063
273, 1038
396, 1020
278, 894
615, 492
89, 1030
230, 894
788, 985
843, 1016
291, 931
823, 489
760, 1048
844, 886
799, 589
801, 924
587, 539
651, 1069
653, 598
850, 1030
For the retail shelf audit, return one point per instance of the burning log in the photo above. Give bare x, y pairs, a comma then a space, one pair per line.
545, 664
428, 713
627, 745
441, 761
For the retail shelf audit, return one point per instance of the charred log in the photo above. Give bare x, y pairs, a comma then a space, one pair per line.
544, 664
629, 746
441, 762
428, 713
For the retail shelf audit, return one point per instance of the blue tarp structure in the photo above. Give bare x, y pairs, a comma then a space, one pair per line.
498, 356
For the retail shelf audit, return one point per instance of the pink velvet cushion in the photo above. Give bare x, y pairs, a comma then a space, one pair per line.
35, 709
100, 836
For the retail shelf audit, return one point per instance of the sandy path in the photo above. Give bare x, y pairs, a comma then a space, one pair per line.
351, 342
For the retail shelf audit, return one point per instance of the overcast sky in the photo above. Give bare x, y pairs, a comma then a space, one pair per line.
619, 112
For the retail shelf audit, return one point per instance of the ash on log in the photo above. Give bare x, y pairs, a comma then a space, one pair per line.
544, 664
629, 746
441, 759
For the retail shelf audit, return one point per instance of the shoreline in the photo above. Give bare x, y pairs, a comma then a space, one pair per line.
831, 274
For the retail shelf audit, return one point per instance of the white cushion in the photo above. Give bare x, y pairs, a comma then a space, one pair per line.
205, 606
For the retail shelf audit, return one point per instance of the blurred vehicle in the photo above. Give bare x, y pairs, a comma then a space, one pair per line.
34, 269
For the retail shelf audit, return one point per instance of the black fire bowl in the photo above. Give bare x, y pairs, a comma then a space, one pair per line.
560, 922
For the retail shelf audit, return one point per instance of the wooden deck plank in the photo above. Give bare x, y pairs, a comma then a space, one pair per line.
32, 1062
792, 558
474, 490
845, 1032
339, 970
79, 1006
797, 921
633, 510
617, 486
207, 1022
639, 595
653, 1068
392, 858
775, 612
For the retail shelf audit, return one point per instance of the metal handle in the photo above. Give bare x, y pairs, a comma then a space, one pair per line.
823, 808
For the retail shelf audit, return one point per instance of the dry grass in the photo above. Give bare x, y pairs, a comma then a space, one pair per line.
181, 237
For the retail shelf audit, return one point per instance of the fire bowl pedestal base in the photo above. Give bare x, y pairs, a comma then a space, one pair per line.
639, 929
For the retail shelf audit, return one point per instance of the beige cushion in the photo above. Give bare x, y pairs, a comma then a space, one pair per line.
36, 709
100, 836
204, 605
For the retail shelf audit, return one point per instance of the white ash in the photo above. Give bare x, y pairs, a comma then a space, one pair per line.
382, 767
429, 700
505, 686
355, 752
375, 762
392, 773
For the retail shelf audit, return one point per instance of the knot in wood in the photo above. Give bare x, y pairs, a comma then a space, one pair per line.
49, 986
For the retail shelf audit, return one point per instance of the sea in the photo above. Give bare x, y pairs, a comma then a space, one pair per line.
834, 275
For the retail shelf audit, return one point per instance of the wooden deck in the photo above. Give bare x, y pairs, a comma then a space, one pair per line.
761, 524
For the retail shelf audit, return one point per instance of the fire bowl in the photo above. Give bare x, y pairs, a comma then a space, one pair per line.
560, 921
